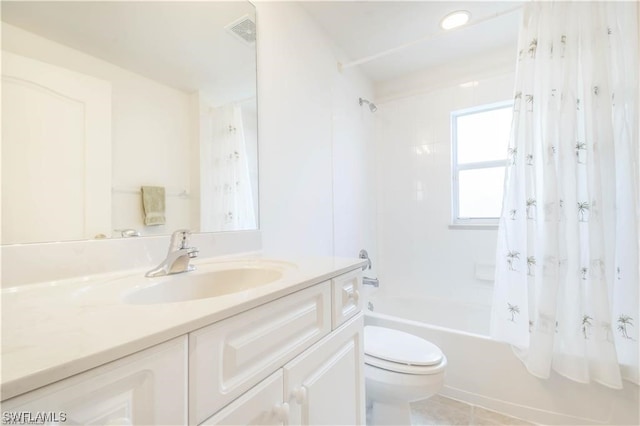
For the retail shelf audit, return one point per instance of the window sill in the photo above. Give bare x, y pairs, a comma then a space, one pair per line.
474, 226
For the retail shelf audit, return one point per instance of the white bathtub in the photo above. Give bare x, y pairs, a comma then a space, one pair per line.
438, 312
485, 372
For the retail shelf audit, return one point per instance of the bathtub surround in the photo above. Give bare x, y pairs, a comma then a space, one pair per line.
419, 253
467, 71
567, 279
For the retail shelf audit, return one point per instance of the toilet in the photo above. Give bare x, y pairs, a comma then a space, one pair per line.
399, 368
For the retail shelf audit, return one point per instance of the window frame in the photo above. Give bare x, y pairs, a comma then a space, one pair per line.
471, 222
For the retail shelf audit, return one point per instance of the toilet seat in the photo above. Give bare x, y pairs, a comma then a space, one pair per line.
402, 352
416, 370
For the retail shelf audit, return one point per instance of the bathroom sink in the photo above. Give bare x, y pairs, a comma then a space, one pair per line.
201, 285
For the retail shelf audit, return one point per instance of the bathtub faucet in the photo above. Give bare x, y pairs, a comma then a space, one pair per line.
178, 257
371, 281
364, 255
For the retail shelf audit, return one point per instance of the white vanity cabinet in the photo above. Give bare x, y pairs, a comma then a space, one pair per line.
146, 388
295, 360
324, 385
229, 357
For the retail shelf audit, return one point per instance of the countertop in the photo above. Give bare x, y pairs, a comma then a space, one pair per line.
53, 330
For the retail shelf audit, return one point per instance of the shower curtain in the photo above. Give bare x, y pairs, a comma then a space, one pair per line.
226, 193
566, 290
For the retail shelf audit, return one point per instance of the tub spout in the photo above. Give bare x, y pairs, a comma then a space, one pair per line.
371, 281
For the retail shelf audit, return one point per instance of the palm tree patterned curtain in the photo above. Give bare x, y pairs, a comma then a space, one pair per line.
566, 290
226, 199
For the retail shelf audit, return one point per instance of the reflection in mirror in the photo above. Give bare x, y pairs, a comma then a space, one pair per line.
101, 99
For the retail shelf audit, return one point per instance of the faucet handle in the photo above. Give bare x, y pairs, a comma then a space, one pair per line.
129, 232
179, 240
364, 255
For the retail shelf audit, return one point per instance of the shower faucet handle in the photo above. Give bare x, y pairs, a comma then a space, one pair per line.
364, 255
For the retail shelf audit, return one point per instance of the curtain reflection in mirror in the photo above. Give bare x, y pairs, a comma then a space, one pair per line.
227, 198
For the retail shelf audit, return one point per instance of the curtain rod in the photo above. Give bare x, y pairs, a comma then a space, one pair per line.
429, 37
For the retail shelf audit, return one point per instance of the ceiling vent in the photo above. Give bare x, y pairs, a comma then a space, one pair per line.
244, 29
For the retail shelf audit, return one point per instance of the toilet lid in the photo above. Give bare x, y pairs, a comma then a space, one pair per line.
399, 347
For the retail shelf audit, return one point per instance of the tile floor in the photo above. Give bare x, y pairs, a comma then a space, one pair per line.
439, 410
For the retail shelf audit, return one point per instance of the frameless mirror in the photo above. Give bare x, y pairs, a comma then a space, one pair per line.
101, 99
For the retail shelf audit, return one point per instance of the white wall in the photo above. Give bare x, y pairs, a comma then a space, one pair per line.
316, 146
151, 148
419, 254
354, 195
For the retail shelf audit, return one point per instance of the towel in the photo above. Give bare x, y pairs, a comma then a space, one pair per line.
153, 204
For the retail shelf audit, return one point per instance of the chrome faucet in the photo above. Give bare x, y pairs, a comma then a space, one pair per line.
128, 233
177, 259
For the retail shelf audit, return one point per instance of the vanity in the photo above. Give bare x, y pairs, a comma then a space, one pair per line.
279, 343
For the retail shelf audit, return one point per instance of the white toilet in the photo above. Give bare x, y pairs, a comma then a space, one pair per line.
399, 368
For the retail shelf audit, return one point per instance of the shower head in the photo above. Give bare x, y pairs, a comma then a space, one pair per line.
372, 106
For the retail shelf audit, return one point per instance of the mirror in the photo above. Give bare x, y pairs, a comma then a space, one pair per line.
101, 99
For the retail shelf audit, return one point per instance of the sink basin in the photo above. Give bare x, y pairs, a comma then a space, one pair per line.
201, 285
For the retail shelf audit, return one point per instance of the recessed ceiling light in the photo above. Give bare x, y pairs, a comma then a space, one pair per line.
455, 19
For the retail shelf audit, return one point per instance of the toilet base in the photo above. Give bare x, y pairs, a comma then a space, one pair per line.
398, 413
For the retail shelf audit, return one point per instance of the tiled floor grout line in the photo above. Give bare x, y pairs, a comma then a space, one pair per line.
440, 410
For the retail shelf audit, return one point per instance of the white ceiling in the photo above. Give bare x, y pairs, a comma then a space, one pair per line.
365, 28
181, 44
184, 44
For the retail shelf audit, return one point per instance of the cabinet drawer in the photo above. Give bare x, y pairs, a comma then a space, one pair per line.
149, 387
346, 300
231, 356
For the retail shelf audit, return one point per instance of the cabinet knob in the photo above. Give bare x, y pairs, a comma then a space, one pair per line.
281, 412
300, 395
354, 295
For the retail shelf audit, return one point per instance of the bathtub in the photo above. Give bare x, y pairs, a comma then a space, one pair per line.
485, 372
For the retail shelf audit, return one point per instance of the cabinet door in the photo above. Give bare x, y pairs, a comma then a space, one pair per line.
146, 388
262, 405
325, 384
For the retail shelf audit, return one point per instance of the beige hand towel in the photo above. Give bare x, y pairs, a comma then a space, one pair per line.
153, 203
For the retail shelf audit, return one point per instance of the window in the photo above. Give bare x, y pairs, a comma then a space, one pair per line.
480, 137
